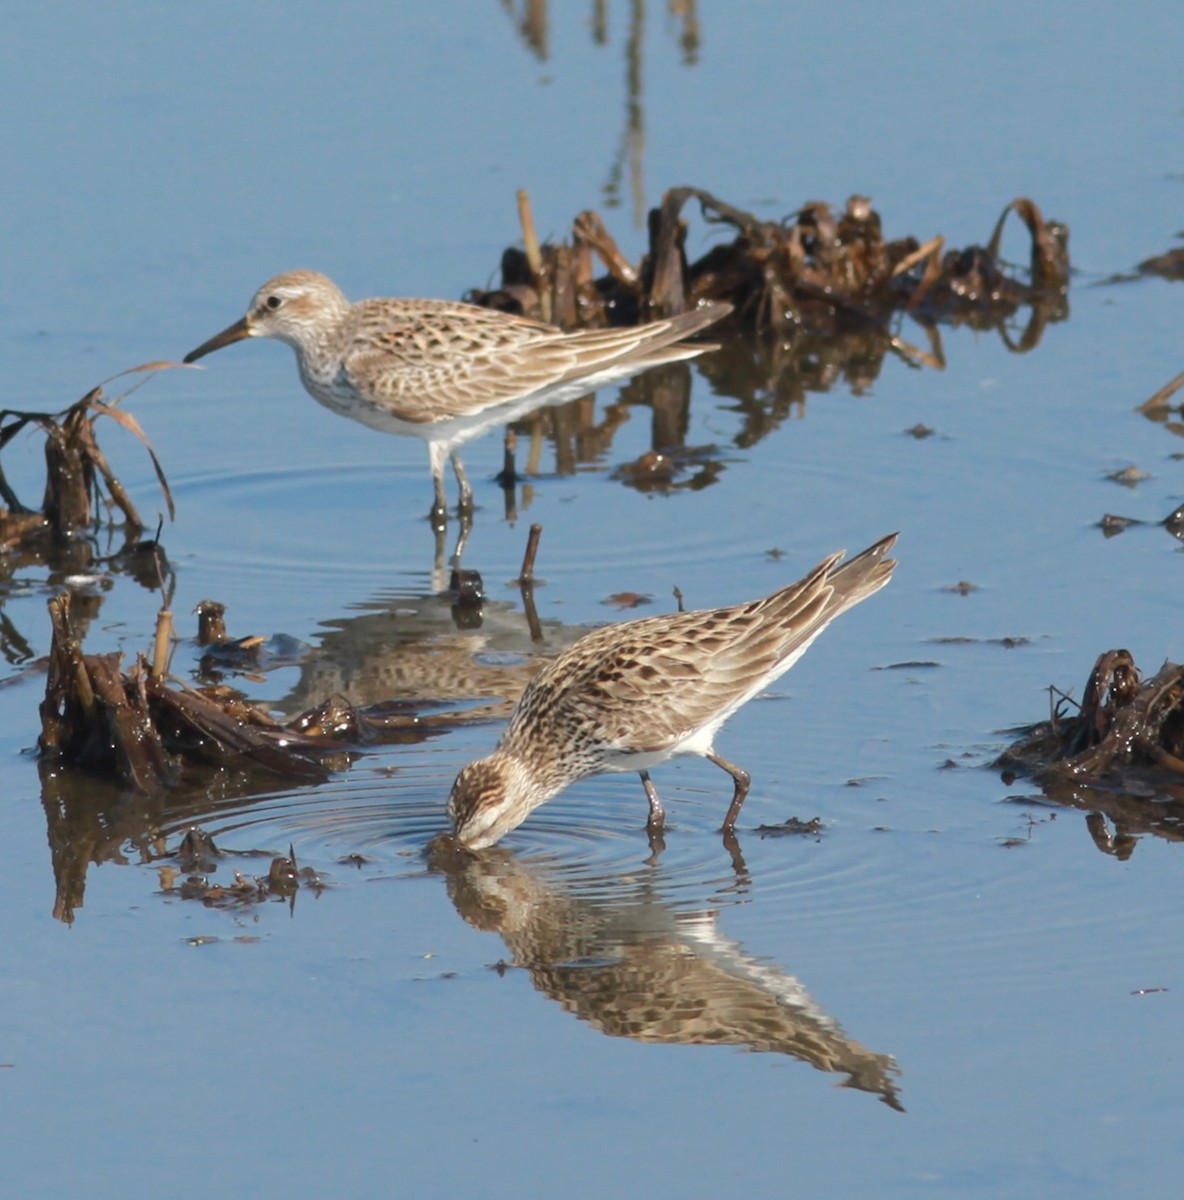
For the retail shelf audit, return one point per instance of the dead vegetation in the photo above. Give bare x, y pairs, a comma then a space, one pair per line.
186, 873
814, 274
79, 481
140, 729
1120, 752
143, 729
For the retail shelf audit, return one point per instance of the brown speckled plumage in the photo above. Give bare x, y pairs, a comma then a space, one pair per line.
441, 370
630, 696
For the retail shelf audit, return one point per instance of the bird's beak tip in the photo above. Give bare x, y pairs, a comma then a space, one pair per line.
234, 333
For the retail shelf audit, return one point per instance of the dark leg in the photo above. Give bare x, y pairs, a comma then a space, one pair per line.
742, 779
439, 514
465, 507
657, 817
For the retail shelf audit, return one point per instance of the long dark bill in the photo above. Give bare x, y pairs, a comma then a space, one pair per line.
234, 333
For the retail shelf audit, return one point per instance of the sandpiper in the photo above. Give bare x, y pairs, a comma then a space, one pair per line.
628, 697
441, 370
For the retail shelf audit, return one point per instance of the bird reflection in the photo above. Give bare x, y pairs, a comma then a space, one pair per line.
639, 968
426, 647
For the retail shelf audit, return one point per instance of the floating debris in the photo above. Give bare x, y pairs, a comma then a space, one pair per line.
1008, 643
660, 470
283, 880
211, 623
467, 588
793, 827
623, 600
1128, 476
1169, 265
1121, 753
1111, 524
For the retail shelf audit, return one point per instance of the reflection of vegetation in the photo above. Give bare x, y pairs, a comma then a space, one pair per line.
824, 297
639, 968
1159, 407
532, 21
128, 757
101, 823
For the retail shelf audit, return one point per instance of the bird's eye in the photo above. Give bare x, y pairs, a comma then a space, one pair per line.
273, 302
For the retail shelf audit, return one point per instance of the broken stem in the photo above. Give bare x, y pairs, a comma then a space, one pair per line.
532, 547
163, 644
534, 253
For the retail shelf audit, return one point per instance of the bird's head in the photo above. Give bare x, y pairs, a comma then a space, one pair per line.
298, 307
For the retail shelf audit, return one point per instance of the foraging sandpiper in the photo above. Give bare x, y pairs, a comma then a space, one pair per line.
628, 697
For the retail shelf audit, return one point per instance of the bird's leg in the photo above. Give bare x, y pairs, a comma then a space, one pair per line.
465, 507
508, 477
742, 779
439, 514
657, 818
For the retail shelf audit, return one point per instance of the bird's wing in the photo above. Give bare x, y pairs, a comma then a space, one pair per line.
434, 360
668, 676
647, 685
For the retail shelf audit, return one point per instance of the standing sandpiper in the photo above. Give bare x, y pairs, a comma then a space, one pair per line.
441, 370
628, 697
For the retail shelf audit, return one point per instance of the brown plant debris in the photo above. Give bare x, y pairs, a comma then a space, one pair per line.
139, 729
814, 272
1126, 735
1112, 524
145, 729
196, 858
1169, 265
78, 477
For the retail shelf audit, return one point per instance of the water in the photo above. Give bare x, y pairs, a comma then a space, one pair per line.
958, 946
